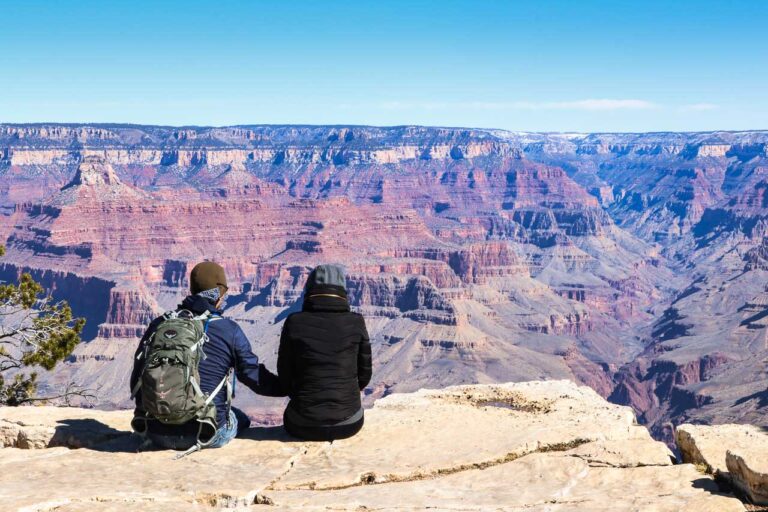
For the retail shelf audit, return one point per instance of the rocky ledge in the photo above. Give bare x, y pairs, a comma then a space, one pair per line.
735, 454
528, 446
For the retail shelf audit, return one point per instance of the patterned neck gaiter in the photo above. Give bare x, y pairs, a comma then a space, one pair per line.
212, 295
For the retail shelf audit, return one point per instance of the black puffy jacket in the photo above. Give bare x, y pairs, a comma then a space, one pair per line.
324, 359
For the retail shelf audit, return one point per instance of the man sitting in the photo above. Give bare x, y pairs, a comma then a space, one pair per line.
181, 375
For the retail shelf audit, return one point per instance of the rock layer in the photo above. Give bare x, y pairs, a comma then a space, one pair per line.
461, 253
635, 263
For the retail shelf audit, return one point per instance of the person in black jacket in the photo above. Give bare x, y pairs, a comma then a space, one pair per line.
324, 361
227, 349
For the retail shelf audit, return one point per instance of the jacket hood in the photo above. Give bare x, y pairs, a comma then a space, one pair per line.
198, 305
326, 298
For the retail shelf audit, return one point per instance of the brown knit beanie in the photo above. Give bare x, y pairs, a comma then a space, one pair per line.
206, 276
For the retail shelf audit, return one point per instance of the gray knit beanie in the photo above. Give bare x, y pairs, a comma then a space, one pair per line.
324, 275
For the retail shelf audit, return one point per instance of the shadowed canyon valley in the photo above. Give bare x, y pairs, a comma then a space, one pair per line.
636, 264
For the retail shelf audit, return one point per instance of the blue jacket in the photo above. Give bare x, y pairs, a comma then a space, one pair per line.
227, 348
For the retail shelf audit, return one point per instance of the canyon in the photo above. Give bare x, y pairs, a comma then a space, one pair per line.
636, 264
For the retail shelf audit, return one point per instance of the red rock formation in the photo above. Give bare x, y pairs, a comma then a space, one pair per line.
476, 255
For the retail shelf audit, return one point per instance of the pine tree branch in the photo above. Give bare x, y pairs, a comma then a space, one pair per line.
71, 391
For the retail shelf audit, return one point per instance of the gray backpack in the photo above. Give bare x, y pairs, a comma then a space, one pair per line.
170, 379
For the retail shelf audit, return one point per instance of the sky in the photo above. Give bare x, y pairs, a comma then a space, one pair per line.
567, 66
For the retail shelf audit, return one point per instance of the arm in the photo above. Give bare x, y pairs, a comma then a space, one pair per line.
364, 359
284, 362
250, 372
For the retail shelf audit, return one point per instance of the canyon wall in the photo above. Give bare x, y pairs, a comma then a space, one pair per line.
634, 263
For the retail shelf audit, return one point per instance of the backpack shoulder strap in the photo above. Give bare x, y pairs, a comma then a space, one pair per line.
136, 388
216, 390
210, 317
230, 388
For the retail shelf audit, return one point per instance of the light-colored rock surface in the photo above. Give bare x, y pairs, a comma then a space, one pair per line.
737, 453
707, 444
749, 471
406, 429
624, 454
41, 427
529, 446
542, 482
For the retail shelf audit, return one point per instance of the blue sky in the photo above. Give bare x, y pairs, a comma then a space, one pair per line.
534, 66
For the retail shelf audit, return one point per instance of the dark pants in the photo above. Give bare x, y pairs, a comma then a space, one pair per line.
324, 432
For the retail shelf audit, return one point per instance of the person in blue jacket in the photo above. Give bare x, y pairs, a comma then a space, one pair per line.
227, 349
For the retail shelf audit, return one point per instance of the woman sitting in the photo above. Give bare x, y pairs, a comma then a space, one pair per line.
324, 361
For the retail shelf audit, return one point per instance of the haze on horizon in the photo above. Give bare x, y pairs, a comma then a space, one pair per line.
525, 66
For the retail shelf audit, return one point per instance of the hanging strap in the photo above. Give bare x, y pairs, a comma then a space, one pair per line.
199, 445
196, 386
136, 388
230, 394
225, 380
138, 420
215, 392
